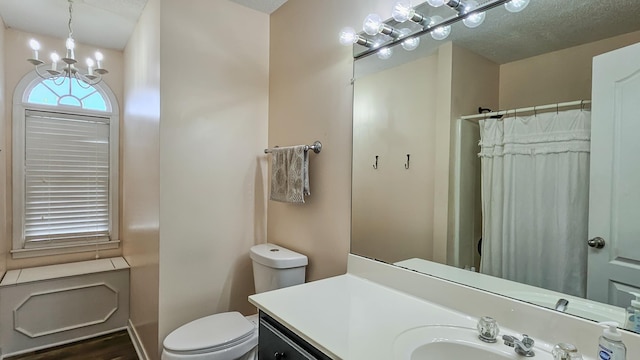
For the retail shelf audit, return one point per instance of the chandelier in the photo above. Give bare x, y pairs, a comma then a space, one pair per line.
59, 72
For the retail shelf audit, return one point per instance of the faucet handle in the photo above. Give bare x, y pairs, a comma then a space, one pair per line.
488, 329
564, 351
527, 342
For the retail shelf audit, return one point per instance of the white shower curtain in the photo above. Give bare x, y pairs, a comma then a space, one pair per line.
535, 199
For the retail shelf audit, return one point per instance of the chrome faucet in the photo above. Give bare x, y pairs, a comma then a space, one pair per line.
522, 347
562, 304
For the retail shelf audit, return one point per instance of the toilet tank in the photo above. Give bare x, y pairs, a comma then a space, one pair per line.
275, 267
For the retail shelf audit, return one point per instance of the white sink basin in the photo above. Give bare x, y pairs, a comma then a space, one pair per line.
450, 342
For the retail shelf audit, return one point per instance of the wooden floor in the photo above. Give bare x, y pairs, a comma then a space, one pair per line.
115, 346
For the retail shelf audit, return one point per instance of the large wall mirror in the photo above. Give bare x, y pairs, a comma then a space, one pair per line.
539, 201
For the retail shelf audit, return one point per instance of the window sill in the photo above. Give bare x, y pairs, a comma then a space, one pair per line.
64, 249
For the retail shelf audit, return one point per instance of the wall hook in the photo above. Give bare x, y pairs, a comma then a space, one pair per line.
406, 166
375, 166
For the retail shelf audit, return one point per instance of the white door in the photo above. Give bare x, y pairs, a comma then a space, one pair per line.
614, 199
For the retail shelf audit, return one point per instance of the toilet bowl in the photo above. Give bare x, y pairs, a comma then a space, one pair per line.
230, 335
224, 336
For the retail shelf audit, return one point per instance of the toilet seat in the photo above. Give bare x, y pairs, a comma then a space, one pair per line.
211, 334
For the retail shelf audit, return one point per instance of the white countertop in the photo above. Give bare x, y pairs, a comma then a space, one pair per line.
348, 317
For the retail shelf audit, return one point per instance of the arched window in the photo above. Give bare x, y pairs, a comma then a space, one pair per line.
68, 92
65, 167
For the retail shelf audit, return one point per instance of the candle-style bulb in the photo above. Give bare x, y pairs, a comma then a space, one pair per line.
90, 64
34, 44
99, 58
71, 45
54, 61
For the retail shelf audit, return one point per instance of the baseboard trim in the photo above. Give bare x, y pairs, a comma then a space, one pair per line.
135, 339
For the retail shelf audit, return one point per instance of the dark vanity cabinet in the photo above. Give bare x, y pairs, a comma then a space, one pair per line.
276, 342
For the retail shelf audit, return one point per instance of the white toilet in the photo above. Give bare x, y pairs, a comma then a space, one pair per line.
231, 336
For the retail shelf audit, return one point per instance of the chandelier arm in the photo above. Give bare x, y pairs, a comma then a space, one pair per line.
44, 76
61, 78
81, 79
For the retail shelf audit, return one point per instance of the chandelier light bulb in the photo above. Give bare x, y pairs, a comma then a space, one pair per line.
385, 53
440, 32
436, 3
54, 61
35, 46
515, 6
402, 11
90, 64
70, 45
99, 58
409, 44
473, 20
372, 24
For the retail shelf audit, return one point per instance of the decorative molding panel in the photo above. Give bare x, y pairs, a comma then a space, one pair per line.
59, 310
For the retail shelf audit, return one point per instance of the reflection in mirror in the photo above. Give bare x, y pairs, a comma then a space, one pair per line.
507, 200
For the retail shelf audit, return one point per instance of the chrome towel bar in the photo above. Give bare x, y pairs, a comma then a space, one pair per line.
316, 147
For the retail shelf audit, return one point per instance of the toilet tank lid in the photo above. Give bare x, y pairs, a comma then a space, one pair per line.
277, 257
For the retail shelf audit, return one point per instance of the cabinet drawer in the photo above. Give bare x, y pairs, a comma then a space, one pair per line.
276, 342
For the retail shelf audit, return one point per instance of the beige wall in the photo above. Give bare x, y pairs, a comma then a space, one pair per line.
310, 99
141, 174
474, 83
4, 140
559, 76
213, 130
393, 115
15, 68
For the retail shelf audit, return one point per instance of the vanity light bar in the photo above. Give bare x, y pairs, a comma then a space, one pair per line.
447, 22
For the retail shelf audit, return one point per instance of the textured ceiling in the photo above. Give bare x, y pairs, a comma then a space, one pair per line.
548, 25
544, 26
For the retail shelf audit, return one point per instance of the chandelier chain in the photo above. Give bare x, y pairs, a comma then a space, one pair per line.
70, 18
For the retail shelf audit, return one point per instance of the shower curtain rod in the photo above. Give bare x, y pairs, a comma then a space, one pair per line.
527, 109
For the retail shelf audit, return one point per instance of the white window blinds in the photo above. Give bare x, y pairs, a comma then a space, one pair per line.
66, 176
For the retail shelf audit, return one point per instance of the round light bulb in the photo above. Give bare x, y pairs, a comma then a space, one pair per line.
348, 36
55, 57
440, 32
99, 56
372, 24
409, 44
385, 53
71, 44
402, 11
515, 6
34, 44
436, 3
474, 20
90, 62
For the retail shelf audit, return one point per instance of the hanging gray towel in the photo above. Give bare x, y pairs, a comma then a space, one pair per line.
290, 174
